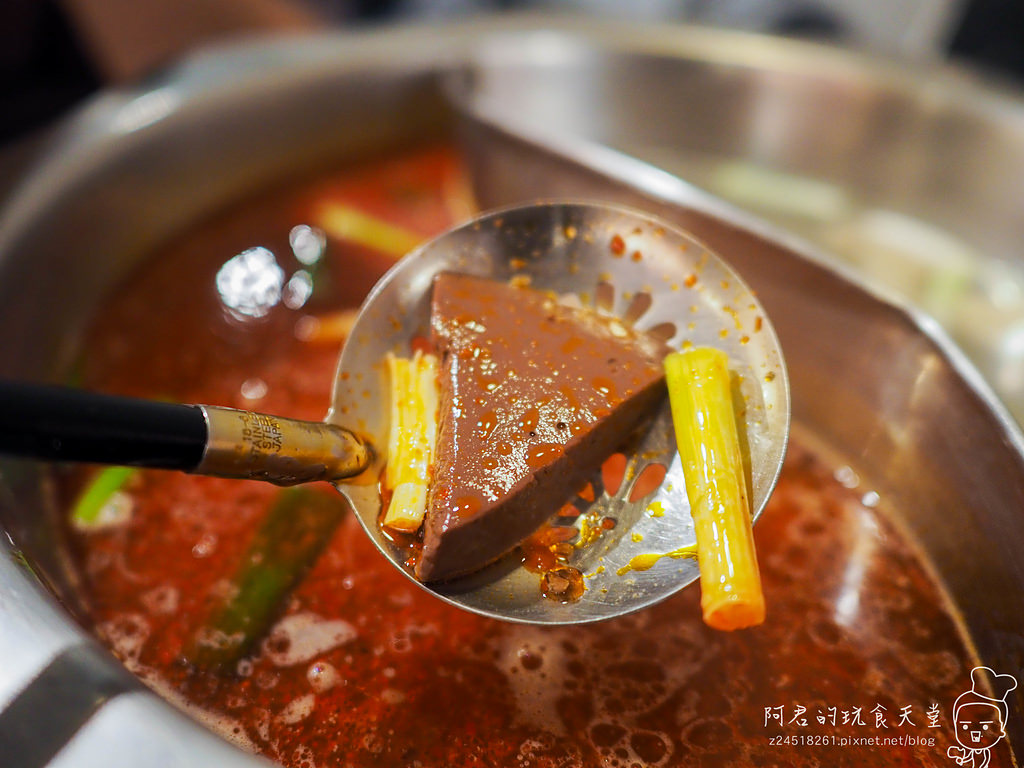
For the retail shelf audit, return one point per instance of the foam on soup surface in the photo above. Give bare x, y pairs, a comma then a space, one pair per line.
858, 663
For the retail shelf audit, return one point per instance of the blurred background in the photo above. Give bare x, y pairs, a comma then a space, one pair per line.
55, 52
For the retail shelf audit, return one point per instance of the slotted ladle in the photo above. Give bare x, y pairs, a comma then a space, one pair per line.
620, 261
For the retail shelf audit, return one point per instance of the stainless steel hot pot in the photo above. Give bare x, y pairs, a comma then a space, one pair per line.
876, 383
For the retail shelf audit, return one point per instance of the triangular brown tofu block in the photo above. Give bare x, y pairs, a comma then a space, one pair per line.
534, 396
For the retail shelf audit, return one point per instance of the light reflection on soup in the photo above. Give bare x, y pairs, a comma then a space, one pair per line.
362, 668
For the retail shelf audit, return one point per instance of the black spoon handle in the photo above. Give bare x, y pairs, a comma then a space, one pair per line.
64, 424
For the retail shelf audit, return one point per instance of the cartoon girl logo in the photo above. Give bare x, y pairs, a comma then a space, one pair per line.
979, 719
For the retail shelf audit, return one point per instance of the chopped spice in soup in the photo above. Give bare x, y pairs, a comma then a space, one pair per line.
352, 665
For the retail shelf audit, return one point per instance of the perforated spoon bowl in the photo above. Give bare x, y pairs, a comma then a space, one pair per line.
620, 261
623, 263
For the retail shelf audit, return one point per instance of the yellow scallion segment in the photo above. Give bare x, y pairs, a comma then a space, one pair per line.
708, 440
345, 223
332, 328
411, 438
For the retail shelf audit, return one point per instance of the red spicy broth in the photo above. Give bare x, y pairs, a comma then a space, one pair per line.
362, 668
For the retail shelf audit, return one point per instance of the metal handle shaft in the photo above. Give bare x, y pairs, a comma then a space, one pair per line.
278, 450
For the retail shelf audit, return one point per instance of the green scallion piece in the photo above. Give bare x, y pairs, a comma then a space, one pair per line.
283, 549
88, 511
